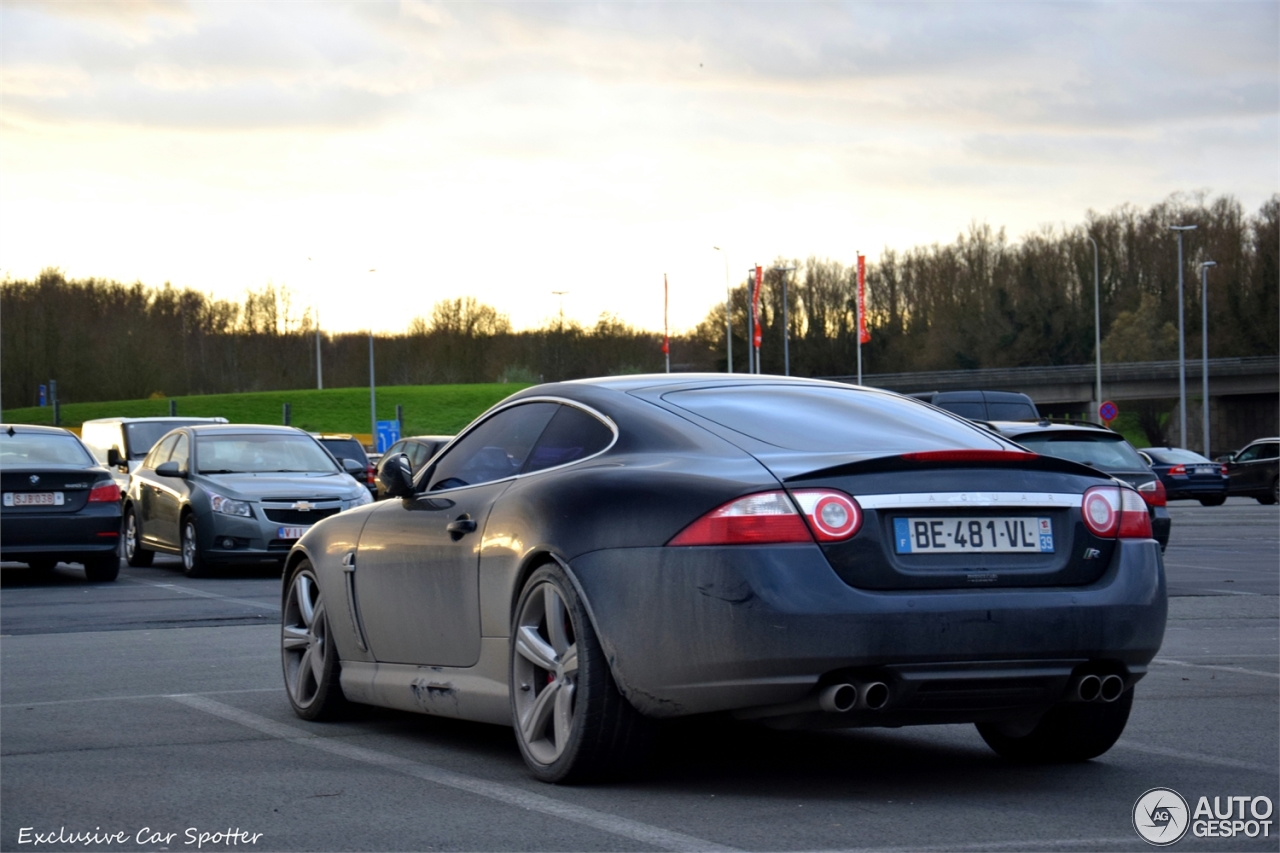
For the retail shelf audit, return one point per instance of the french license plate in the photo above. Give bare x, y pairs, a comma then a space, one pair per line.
291, 532
973, 535
34, 499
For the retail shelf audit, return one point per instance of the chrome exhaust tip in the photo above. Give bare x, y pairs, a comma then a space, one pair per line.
873, 695
1112, 687
838, 698
1088, 687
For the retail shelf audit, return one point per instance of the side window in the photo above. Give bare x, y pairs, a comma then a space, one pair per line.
496, 449
1270, 451
572, 434
1250, 453
160, 453
417, 454
181, 452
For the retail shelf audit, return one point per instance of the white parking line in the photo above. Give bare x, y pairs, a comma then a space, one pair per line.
1222, 667
133, 696
508, 794
1198, 757
200, 593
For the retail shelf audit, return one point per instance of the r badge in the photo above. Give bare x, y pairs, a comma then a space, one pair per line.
1091, 553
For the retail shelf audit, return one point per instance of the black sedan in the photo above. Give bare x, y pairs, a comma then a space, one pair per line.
1254, 472
1187, 474
60, 505
589, 557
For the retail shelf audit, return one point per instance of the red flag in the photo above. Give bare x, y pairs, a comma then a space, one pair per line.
755, 305
864, 335
666, 337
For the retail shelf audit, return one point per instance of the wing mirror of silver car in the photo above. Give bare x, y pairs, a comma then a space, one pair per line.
170, 469
395, 475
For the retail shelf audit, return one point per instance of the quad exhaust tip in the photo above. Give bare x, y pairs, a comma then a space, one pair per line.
1090, 688
873, 695
838, 698
1112, 687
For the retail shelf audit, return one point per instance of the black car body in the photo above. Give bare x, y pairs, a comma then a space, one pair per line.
1254, 471
1187, 474
1100, 448
59, 503
344, 446
589, 555
420, 449
232, 494
984, 405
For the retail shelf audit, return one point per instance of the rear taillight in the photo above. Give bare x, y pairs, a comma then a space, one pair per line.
1225, 471
1153, 493
1115, 512
1178, 471
106, 493
771, 518
970, 456
370, 475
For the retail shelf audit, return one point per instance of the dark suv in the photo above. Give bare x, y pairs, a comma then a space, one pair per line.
344, 446
984, 405
1101, 448
1255, 471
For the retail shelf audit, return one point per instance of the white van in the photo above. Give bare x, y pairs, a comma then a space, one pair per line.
121, 443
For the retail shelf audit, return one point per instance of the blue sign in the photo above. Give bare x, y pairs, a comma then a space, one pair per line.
388, 434
44, 395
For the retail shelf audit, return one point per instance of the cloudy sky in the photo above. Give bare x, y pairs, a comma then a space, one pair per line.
509, 150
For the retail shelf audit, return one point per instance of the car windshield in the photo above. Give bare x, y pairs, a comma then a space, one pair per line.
825, 419
1106, 452
41, 449
261, 454
1174, 456
143, 436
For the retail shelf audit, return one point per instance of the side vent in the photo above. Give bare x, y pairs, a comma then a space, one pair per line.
353, 609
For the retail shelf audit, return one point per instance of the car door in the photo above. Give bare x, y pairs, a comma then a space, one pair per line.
417, 564
170, 494
147, 489
1251, 466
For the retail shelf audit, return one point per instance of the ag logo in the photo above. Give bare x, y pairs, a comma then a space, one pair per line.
1160, 817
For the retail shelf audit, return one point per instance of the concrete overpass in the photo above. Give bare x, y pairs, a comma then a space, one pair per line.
1244, 393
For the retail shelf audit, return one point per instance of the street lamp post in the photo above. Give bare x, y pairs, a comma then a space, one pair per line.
728, 306
1182, 342
319, 369
1097, 334
1204, 348
786, 328
373, 397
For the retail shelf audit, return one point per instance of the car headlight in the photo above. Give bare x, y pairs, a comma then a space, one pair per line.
362, 497
227, 506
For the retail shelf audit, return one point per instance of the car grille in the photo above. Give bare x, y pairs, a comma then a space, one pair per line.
299, 517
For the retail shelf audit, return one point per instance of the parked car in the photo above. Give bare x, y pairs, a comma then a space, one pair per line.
59, 503
1101, 448
1187, 474
119, 444
345, 446
232, 493
418, 448
1254, 472
590, 555
984, 405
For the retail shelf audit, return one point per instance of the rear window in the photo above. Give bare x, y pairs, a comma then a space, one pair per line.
823, 419
42, 449
965, 410
1174, 456
1011, 411
1100, 451
345, 448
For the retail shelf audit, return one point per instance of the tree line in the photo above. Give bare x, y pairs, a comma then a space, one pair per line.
981, 301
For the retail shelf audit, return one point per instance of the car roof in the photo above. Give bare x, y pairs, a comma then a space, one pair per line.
1259, 440
689, 381
244, 429
177, 420
332, 436
34, 429
1028, 427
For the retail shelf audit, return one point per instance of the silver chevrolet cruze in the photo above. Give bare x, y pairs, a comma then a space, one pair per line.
233, 493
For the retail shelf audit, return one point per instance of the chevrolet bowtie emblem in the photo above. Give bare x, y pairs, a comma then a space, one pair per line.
304, 506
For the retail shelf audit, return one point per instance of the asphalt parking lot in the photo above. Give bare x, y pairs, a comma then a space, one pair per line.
153, 707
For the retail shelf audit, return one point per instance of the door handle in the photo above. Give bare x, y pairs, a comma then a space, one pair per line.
464, 525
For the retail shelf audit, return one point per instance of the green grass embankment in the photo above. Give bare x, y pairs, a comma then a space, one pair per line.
428, 409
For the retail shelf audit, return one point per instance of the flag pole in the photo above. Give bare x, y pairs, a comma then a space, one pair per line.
666, 329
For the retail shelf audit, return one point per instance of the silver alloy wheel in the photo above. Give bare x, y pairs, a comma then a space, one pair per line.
304, 639
189, 545
545, 672
131, 537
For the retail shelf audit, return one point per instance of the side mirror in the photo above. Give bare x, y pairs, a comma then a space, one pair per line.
114, 459
170, 469
395, 476
352, 467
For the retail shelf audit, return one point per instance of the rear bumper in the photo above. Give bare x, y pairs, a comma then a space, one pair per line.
693, 630
93, 529
1183, 490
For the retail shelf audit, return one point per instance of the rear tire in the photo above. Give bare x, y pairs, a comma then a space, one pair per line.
1069, 732
1214, 501
571, 722
134, 554
194, 564
1274, 496
307, 650
102, 569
